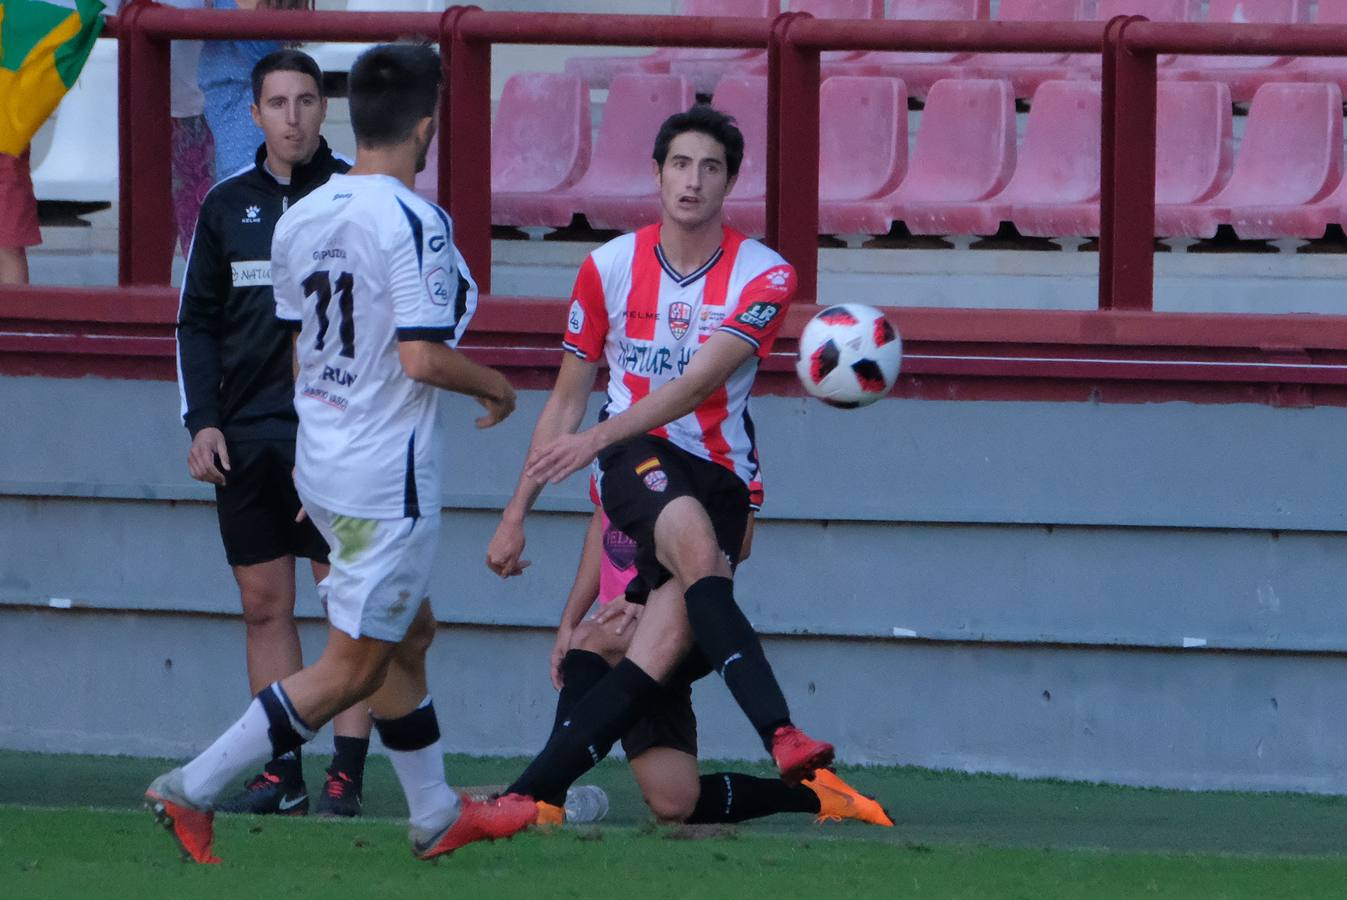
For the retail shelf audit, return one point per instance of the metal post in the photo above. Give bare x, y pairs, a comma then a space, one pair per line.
147, 228
465, 146
1127, 191
793, 154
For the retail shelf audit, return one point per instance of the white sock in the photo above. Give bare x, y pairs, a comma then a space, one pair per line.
244, 746
431, 803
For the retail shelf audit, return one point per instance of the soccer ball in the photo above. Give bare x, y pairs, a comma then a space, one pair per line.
849, 355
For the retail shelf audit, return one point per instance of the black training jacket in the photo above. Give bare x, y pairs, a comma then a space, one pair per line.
234, 358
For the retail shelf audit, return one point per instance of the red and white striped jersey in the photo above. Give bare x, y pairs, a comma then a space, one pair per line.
648, 320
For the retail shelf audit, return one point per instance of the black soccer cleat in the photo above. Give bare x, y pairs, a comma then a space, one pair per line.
340, 796
268, 795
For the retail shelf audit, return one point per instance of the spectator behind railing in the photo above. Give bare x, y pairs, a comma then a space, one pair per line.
18, 217
225, 81
193, 144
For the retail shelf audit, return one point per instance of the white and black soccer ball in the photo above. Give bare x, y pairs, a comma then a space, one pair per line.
849, 355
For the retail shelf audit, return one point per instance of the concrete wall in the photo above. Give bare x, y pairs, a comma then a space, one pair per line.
1146, 594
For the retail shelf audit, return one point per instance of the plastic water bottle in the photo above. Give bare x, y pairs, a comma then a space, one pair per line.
585, 803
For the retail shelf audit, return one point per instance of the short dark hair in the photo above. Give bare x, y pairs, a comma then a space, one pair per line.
285, 60
392, 87
709, 121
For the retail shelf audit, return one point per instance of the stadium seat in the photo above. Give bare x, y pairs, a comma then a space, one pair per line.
819, 9
337, 56
862, 145
1321, 68
1155, 10
1291, 155
1244, 74
964, 154
1056, 184
1289, 162
917, 70
1026, 71
701, 66
745, 98
618, 189
86, 118
540, 140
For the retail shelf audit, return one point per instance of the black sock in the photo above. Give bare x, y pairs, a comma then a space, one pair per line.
604, 714
580, 671
348, 757
724, 635
732, 797
288, 768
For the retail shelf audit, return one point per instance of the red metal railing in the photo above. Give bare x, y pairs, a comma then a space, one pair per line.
1123, 342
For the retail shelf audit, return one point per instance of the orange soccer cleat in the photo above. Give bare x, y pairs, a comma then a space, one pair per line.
550, 815
798, 755
838, 800
191, 826
479, 820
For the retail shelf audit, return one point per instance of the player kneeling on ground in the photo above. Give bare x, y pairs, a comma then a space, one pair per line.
367, 274
662, 747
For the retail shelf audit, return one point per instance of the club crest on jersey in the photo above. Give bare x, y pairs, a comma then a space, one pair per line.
252, 215
575, 321
680, 317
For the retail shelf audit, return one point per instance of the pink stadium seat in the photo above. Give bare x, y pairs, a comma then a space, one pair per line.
540, 140
819, 9
1322, 68
1155, 10
1056, 184
1244, 74
1026, 71
1289, 163
917, 70
745, 98
862, 149
698, 64
964, 154
620, 169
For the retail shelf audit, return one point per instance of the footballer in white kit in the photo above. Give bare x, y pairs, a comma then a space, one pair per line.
358, 266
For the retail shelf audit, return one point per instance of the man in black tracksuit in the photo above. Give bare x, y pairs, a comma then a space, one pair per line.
237, 385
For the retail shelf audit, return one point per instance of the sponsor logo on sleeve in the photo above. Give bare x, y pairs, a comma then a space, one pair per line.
252, 215
576, 320
778, 278
437, 286
436, 243
759, 315
251, 272
680, 317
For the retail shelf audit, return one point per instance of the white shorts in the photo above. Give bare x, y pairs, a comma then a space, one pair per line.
380, 571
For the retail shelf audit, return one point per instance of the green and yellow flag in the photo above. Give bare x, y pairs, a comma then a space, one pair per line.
43, 46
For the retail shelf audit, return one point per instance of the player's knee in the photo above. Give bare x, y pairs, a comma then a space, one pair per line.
264, 606
416, 643
596, 639
670, 805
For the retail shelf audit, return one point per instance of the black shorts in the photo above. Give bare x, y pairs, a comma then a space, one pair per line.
642, 476
670, 722
258, 504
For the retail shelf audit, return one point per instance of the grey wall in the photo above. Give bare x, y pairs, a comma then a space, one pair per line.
1146, 594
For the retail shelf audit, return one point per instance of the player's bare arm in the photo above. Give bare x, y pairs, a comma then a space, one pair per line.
433, 363
717, 359
584, 591
561, 415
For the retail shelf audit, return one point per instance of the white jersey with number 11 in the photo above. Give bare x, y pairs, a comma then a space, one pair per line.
359, 265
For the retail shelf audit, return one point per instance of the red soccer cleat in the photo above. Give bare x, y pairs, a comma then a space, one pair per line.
192, 827
480, 820
797, 755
